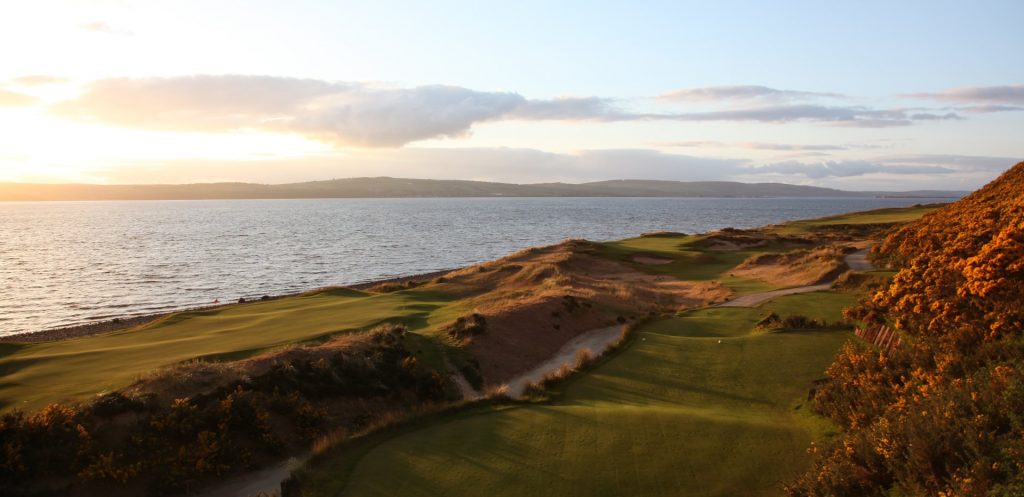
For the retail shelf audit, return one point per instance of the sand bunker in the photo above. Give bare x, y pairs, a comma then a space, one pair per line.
652, 260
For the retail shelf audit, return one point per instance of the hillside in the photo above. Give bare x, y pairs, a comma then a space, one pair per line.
401, 187
940, 414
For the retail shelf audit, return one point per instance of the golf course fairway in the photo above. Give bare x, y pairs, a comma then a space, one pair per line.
701, 404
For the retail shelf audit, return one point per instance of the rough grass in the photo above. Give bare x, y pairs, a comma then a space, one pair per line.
697, 404
37, 374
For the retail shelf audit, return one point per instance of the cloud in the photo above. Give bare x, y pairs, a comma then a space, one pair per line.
373, 116
579, 109
13, 99
337, 112
963, 163
344, 113
393, 117
746, 92
1006, 94
102, 27
692, 144
845, 169
982, 109
789, 147
38, 80
841, 116
782, 147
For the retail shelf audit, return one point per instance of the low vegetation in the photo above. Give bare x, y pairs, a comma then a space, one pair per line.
940, 415
238, 416
795, 268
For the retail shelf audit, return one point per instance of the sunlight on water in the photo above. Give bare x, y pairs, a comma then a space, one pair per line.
65, 263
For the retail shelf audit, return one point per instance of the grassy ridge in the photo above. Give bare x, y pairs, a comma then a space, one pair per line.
699, 404
36, 374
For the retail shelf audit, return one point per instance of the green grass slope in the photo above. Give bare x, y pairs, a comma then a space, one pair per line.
36, 374
895, 215
696, 405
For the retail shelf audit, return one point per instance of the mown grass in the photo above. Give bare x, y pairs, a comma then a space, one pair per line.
697, 404
879, 216
37, 374
690, 261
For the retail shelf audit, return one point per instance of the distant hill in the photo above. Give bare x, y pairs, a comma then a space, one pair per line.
398, 188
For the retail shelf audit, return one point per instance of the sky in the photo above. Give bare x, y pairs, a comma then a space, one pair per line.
853, 95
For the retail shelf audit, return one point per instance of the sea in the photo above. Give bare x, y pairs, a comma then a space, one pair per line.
71, 263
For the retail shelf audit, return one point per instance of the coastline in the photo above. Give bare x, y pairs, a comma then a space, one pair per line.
128, 322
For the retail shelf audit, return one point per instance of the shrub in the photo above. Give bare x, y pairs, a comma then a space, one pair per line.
223, 429
466, 327
941, 414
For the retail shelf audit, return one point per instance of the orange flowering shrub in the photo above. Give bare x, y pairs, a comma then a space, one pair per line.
942, 415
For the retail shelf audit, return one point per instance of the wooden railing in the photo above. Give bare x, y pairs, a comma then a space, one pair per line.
883, 337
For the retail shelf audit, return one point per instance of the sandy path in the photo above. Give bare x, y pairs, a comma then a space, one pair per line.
594, 340
755, 299
267, 480
857, 261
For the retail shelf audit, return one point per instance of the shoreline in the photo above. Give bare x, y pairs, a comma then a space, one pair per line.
128, 322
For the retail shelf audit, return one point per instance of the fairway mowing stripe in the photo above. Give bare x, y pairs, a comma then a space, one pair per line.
662, 422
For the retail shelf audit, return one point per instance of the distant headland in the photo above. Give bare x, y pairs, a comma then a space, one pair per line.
385, 187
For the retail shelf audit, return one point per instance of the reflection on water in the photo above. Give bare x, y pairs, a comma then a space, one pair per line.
64, 263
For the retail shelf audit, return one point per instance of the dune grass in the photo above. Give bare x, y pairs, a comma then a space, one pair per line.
36, 374
696, 405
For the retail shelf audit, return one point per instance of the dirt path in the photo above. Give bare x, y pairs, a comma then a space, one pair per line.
596, 341
857, 261
267, 480
467, 390
755, 299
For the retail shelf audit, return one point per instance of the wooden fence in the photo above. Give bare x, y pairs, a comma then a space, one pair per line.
883, 337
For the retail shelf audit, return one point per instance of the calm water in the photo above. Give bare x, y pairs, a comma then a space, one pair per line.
64, 263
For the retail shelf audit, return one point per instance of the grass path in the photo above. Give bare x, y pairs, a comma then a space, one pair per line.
697, 405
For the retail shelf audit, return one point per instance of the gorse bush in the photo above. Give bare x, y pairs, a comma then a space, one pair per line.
943, 414
211, 433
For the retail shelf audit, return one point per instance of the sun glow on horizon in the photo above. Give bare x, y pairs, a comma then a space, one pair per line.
40, 148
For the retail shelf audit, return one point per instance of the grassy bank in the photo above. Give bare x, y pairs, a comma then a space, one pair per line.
699, 404
37, 374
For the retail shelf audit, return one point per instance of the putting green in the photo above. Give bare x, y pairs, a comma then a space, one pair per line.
699, 404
